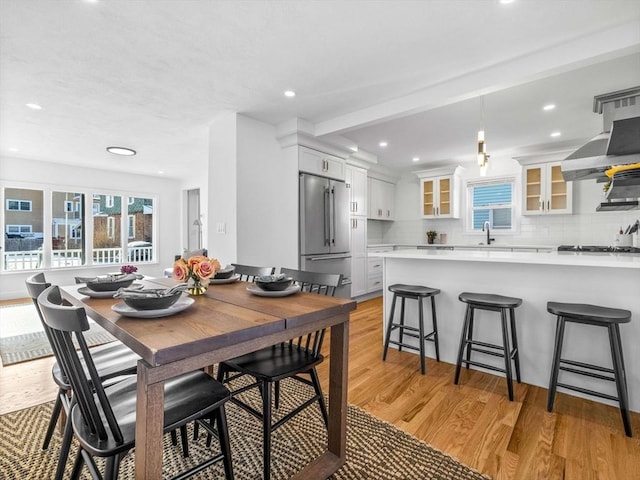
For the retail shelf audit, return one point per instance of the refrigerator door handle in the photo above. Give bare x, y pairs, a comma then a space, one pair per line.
333, 216
329, 257
327, 217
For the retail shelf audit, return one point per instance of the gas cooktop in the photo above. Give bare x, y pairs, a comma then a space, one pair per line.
597, 248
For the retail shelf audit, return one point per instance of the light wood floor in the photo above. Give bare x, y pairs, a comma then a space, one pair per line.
474, 421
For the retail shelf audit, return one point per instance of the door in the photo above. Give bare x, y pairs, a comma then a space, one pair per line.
315, 234
339, 218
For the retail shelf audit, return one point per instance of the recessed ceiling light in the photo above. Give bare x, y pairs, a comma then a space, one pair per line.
127, 152
33, 106
416, 159
289, 93
556, 134
383, 144
506, 2
548, 107
161, 172
13, 149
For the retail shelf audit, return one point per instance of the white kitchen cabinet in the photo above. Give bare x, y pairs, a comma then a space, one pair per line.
440, 196
374, 269
356, 179
381, 199
319, 163
358, 255
545, 192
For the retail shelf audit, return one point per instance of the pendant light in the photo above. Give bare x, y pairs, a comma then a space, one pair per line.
483, 157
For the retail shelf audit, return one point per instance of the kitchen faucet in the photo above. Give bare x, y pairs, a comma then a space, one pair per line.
489, 239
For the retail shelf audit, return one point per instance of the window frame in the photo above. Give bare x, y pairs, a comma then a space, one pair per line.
469, 209
20, 202
47, 262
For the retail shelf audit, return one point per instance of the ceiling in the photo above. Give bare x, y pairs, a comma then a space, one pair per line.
152, 75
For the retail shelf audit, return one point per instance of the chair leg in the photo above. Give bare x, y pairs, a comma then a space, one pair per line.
174, 438
401, 329
555, 367
277, 395
266, 430
223, 437
435, 327
421, 334
316, 386
185, 441
507, 350
618, 372
389, 327
514, 342
470, 335
54, 418
67, 437
463, 343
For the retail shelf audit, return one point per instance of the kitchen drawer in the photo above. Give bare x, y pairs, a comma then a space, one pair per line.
374, 284
374, 266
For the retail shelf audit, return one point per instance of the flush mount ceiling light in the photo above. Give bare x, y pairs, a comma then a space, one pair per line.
483, 157
383, 144
289, 93
33, 106
556, 134
548, 107
127, 152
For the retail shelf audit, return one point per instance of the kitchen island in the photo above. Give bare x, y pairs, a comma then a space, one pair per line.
606, 279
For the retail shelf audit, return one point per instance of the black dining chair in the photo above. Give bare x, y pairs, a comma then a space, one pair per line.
248, 273
112, 361
104, 418
298, 356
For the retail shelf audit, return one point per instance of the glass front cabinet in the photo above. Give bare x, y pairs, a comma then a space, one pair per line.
545, 190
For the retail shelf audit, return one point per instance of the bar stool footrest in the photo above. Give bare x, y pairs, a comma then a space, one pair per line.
405, 345
487, 352
588, 391
484, 365
587, 374
587, 366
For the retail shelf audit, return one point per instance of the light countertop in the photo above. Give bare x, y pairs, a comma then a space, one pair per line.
584, 259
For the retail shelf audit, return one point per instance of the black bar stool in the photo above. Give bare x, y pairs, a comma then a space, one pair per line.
610, 318
415, 292
493, 303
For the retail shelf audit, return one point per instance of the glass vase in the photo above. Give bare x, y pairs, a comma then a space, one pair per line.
196, 288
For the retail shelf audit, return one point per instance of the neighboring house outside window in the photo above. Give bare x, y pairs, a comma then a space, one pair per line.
19, 205
492, 201
109, 202
111, 227
131, 223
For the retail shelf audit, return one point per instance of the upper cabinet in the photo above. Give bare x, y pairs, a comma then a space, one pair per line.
356, 179
381, 200
318, 163
545, 190
439, 194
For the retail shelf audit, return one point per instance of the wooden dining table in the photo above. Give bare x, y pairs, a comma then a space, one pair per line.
225, 322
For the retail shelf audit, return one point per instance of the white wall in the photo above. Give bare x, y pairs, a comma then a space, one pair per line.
584, 227
267, 197
21, 172
220, 209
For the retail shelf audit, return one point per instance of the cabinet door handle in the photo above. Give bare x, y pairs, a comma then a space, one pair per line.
388, 213
548, 206
355, 209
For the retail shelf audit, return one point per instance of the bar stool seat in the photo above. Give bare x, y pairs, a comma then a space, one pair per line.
413, 292
494, 303
609, 318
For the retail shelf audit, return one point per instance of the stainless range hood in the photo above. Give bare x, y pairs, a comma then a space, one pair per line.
619, 144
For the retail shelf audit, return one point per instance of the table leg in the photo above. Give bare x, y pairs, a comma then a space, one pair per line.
338, 376
149, 426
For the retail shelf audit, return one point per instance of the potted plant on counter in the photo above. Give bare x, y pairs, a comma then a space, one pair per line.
431, 236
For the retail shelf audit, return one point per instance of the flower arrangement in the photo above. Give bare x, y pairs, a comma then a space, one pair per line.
198, 269
431, 235
128, 269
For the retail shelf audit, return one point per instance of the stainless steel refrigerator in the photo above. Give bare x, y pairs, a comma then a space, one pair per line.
324, 228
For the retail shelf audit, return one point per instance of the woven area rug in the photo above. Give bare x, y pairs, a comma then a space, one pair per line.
31, 342
375, 449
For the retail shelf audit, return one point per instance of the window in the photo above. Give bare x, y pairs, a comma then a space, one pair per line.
19, 205
111, 227
491, 201
121, 228
131, 227
18, 229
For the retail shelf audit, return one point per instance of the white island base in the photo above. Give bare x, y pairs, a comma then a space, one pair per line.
607, 280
